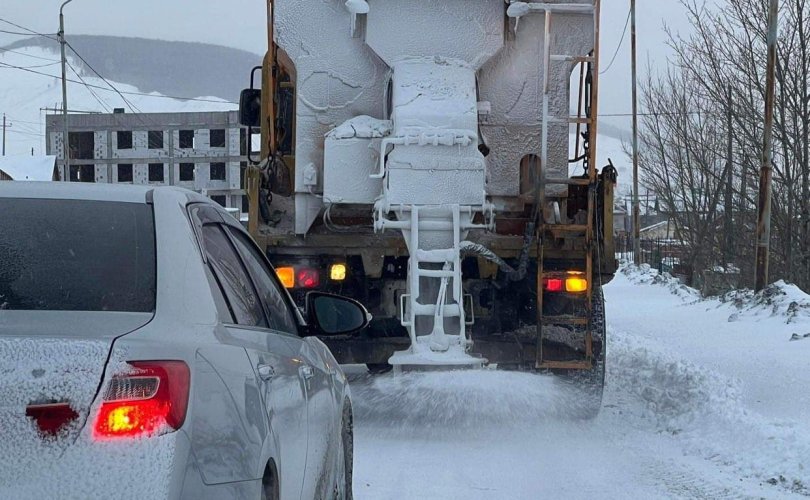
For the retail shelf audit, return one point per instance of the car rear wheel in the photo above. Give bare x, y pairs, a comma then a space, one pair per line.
270, 487
345, 467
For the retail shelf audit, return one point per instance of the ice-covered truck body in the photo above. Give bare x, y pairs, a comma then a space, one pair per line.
417, 156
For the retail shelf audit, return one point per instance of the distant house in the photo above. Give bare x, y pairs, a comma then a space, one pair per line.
664, 230
28, 168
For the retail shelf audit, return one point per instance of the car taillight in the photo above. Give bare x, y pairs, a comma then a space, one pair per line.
152, 399
308, 278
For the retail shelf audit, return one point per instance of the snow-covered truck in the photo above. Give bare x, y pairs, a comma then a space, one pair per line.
423, 157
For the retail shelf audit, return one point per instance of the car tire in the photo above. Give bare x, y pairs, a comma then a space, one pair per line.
270, 486
345, 470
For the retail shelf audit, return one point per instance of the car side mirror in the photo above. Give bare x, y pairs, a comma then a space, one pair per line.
250, 107
331, 314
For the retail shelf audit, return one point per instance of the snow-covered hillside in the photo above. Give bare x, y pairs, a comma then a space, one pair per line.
24, 91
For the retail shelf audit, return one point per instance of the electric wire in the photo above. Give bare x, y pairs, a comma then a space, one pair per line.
624, 33
29, 30
29, 55
98, 99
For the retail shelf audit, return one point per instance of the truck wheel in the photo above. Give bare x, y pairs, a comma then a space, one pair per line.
591, 384
378, 368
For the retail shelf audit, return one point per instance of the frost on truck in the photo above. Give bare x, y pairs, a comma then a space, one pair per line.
425, 147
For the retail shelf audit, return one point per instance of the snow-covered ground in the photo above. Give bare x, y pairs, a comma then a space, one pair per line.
705, 399
24, 91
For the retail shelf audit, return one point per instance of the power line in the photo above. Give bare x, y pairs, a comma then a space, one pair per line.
28, 55
131, 106
29, 30
40, 65
97, 98
624, 32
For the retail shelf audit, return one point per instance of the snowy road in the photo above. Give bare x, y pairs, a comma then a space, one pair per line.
697, 406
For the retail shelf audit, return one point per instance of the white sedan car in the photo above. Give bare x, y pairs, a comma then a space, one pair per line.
148, 350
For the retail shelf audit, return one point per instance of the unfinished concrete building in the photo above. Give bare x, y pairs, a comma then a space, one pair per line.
202, 151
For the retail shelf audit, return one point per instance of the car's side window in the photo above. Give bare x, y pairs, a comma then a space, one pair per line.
232, 276
280, 316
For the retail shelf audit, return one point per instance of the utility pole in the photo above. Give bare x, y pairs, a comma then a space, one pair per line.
766, 171
728, 207
636, 208
5, 126
65, 138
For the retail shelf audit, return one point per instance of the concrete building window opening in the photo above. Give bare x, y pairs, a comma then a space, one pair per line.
156, 173
124, 172
124, 139
221, 199
82, 173
155, 139
186, 139
217, 137
82, 145
217, 172
186, 172
245, 204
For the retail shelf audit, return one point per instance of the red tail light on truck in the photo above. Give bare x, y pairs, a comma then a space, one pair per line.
152, 399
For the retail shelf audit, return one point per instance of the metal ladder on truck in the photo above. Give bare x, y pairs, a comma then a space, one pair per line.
582, 318
439, 347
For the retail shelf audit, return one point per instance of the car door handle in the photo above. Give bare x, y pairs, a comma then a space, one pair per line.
266, 372
307, 372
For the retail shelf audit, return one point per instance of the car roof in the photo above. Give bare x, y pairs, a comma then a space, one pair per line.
125, 193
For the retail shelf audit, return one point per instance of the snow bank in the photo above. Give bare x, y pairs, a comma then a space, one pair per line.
780, 299
646, 275
704, 411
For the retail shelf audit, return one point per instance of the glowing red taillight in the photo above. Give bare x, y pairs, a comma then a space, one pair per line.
308, 278
553, 284
152, 399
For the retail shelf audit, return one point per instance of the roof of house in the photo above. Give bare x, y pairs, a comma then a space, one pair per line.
28, 168
654, 226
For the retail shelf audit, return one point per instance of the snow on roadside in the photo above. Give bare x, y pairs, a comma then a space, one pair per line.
719, 375
780, 299
705, 411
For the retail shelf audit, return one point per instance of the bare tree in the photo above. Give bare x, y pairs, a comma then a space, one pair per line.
708, 134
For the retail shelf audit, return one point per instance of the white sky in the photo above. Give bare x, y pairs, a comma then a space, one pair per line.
242, 24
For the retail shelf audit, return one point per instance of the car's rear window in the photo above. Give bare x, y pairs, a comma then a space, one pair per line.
76, 255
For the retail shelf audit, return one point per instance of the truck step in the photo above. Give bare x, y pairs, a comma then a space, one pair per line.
567, 228
570, 58
436, 273
576, 181
437, 256
565, 365
450, 310
565, 320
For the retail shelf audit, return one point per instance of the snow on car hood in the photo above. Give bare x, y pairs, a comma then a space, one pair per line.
39, 367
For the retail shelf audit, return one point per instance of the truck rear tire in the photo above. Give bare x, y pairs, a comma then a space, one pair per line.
591, 384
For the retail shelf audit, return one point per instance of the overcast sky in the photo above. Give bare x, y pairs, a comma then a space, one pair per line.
241, 24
